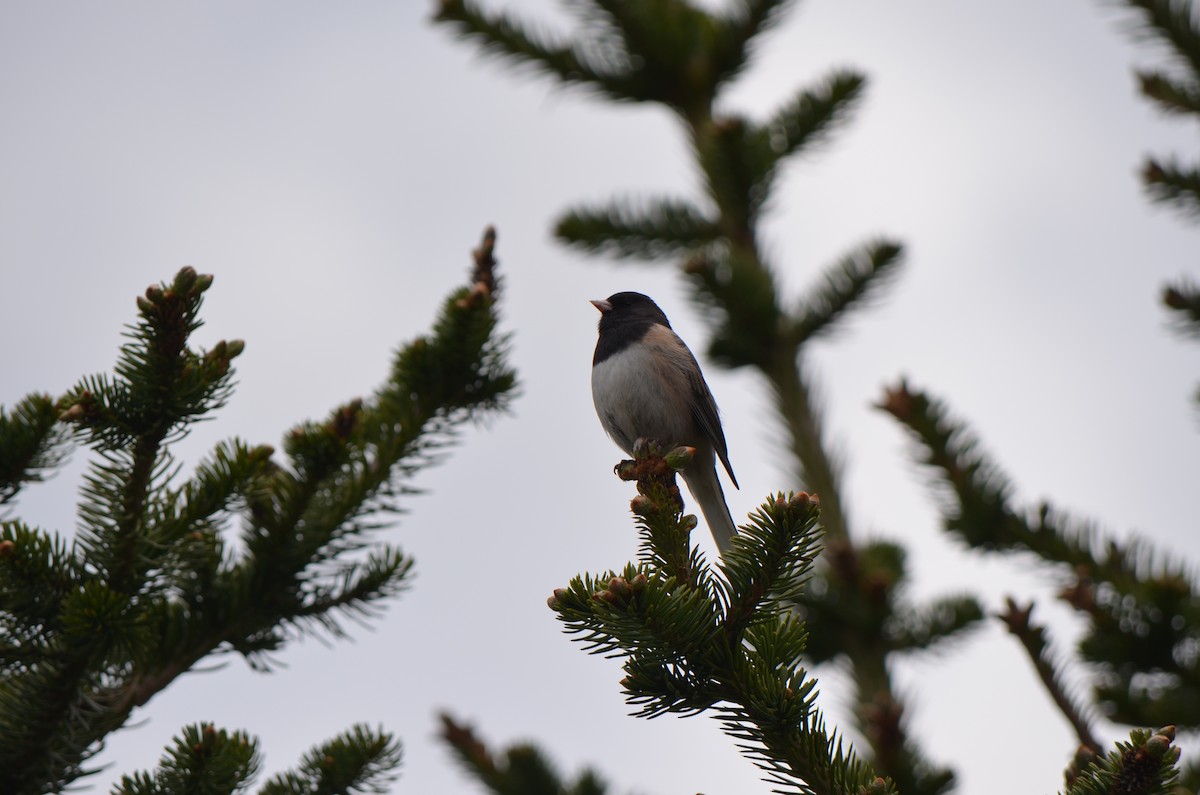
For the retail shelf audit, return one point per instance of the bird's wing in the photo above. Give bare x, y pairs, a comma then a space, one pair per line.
707, 416
700, 399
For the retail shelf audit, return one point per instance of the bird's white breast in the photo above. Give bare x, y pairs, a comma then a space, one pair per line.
640, 393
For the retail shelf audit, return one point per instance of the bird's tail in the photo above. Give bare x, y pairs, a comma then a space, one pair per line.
706, 490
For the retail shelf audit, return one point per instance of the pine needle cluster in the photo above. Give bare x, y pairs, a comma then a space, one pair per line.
721, 639
93, 628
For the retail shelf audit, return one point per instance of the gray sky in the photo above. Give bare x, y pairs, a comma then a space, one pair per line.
333, 164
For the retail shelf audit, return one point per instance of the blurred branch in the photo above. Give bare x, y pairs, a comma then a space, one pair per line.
1033, 640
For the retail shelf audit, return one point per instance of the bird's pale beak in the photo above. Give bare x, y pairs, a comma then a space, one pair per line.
603, 306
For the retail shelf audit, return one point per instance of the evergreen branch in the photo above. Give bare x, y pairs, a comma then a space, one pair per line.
736, 32
1143, 607
359, 760
1169, 183
383, 575
520, 770
975, 498
767, 567
657, 229
1183, 298
852, 281
161, 387
605, 72
347, 465
202, 760
814, 114
719, 642
1171, 95
738, 159
1033, 640
30, 443
918, 628
741, 301
818, 467
1172, 24
1146, 764
146, 591
973, 493
37, 571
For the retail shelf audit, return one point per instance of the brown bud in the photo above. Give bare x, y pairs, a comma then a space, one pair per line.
185, 278
203, 282
1152, 172
1157, 745
605, 596
1174, 299
680, 457
898, 401
620, 588
144, 305
7, 548
641, 505
234, 348
638, 583
1167, 731
801, 500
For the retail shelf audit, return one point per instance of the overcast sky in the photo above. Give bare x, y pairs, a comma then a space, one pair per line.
333, 164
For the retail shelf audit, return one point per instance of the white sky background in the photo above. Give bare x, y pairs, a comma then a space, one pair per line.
333, 164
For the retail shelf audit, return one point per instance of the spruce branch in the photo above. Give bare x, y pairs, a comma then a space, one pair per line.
1171, 25
929, 626
599, 66
359, 760
203, 759
519, 770
1033, 639
1173, 96
736, 34
93, 630
31, 443
650, 229
1167, 182
1146, 764
1143, 606
723, 641
815, 113
851, 281
1183, 299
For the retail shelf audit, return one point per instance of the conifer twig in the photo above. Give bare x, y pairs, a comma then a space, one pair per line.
1033, 640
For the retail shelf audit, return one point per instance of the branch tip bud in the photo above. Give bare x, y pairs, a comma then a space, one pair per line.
7, 548
641, 505
680, 457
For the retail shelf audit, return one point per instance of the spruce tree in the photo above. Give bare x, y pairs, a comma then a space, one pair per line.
673, 617
92, 628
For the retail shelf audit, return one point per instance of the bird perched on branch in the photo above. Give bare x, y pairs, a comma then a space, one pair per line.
646, 384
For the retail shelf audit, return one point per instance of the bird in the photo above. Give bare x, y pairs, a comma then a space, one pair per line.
646, 384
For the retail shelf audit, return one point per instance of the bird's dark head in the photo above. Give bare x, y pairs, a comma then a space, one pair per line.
624, 319
629, 309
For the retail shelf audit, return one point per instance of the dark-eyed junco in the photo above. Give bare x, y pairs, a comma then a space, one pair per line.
646, 384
